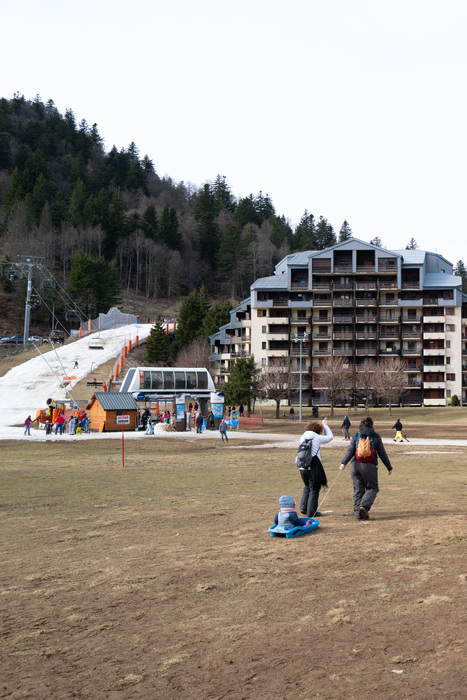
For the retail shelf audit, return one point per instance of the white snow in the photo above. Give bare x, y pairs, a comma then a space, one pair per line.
26, 388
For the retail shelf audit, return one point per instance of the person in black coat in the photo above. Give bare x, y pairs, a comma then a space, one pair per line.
345, 427
199, 422
365, 474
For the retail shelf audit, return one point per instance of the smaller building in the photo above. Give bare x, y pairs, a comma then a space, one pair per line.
104, 407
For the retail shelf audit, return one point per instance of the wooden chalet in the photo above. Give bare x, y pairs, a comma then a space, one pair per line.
104, 407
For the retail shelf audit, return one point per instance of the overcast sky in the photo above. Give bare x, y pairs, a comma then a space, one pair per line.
351, 109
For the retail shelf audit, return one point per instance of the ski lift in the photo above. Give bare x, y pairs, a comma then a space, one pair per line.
34, 302
48, 284
96, 343
72, 315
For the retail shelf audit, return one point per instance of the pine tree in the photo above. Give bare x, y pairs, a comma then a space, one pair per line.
94, 284
345, 232
242, 387
412, 244
376, 241
149, 222
325, 236
305, 233
460, 271
223, 194
193, 311
157, 347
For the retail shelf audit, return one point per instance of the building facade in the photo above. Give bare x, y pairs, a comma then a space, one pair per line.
359, 302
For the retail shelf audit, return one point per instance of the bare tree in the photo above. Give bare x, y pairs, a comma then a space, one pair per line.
390, 380
277, 380
335, 376
364, 381
196, 354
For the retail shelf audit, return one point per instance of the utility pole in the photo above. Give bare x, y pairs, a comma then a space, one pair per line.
30, 263
300, 338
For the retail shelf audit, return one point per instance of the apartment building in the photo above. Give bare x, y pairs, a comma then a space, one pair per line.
356, 301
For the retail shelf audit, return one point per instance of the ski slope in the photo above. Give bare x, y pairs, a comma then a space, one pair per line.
26, 388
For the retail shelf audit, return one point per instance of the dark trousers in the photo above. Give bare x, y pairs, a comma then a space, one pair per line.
310, 495
365, 484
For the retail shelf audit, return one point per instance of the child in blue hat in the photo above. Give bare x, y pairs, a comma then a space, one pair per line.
287, 516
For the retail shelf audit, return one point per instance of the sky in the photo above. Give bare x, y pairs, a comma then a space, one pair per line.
353, 110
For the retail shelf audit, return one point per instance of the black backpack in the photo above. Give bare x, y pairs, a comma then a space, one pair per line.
304, 460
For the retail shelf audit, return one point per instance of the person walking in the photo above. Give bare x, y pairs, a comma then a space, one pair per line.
365, 474
311, 489
223, 430
27, 425
345, 427
72, 425
199, 422
59, 423
398, 428
292, 413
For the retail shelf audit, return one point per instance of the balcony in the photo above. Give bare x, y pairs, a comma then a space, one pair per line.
433, 320
302, 284
367, 267
322, 302
434, 385
413, 384
322, 336
388, 285
434, 336
342, 352
433, 352
410, 284
370, 318
277, 353
342, 336
363, 352
412, 334
295, 350
366, 302
343, 267
281, 320
411, 351
389, 318
433, 368
277, 336
322, 286
280, 302
321, 353
302, 320
343, 302
342, 286
369, 335
388, 302
412, 319
342, 319
390, 352
366, 286
387, 266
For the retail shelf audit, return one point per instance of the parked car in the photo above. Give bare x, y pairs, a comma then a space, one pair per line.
17, 339
34, 339
5, 339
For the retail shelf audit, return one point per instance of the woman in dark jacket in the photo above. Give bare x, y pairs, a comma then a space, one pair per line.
345, 427
365, 474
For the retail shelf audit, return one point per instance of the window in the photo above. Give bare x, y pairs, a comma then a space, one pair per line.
261, 312
451, 377
448, 360
449, 311
448, 343
448, 393
263, 362
202, 380
450, 328
168, 380
264, 329
263, 346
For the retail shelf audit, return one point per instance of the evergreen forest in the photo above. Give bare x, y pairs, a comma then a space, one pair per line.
63, 197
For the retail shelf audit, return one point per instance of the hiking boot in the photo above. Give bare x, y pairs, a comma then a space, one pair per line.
364, 515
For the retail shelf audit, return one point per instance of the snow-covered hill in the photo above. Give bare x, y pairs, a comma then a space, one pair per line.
26, 388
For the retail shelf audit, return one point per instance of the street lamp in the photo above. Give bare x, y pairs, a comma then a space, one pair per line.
300, 338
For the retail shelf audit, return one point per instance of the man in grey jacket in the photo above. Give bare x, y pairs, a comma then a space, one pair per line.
365, 474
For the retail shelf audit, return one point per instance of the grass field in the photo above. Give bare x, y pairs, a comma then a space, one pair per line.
160, 580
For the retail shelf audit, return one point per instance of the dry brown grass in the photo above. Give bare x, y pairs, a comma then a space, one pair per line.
160, 580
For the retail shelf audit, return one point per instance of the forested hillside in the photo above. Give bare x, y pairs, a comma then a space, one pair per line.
61, 194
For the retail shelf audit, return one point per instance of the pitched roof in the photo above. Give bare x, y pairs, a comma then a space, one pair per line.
115, 401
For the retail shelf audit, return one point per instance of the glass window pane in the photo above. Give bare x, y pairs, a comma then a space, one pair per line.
180, 380
156, 379
169, 380
191, 380
202, 380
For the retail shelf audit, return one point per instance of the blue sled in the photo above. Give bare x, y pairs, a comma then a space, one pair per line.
277, 531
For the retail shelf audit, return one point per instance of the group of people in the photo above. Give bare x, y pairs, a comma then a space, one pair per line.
364, 474
76, 425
